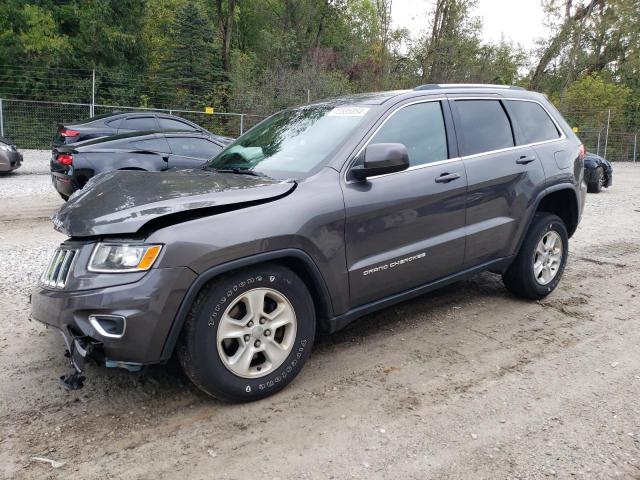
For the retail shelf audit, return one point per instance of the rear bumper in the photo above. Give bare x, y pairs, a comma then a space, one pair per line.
9, 161
64, 184
149, 307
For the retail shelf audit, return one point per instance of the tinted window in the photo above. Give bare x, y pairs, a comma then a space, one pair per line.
418, 127
151, 144
534, 123
139, 123
114, 123
171, 124
193, 147
484, 126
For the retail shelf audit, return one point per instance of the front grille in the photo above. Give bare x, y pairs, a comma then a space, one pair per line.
56, 274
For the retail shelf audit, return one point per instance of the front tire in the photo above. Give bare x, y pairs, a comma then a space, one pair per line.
248, 333
538, 267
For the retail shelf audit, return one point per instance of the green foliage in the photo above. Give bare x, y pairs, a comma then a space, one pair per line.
589, 99
171, 53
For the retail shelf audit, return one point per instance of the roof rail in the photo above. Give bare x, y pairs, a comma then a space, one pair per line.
435, 86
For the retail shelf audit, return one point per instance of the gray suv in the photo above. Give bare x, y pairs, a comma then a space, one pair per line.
318, 215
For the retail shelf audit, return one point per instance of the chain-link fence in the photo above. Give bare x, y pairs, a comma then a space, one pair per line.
32, 124
610, 134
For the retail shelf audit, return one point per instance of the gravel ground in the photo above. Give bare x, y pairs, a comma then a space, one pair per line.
467, 382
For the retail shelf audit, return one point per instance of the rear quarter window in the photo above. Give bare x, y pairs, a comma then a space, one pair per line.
113, 123
139, 123
533, 122
152, 144
171, 124
484, 126
194, 147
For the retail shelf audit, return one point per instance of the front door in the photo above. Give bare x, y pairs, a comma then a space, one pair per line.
407, 228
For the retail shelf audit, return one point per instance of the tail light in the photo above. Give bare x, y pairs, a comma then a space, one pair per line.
582, 152
66, 132
65, 159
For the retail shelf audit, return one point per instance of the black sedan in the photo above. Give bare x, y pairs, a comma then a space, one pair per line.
117, 123
10, 157
598, 173
73, 165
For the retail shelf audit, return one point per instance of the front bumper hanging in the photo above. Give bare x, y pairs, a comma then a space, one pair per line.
79, 350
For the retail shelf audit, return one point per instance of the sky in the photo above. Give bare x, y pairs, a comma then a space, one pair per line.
518, 20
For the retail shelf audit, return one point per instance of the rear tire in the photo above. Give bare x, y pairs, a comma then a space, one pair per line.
538, 267
597, 181
63, 196
248, 333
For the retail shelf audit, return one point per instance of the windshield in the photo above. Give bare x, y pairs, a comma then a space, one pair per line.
292, 143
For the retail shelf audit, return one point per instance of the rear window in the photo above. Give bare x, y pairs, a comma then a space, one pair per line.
114, 123
152, 144
484, 126
171, 124
533, 122
194, 147
139, 123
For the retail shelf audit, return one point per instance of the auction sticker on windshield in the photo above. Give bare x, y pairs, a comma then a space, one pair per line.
348, 112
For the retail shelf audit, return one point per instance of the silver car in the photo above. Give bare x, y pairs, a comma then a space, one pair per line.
10, 157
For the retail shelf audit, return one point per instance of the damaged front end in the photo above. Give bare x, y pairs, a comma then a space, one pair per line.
82, 349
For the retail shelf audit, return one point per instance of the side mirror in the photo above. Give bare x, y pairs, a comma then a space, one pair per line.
381, 158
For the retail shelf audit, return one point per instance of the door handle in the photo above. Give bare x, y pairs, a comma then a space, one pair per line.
524, 159
447, 177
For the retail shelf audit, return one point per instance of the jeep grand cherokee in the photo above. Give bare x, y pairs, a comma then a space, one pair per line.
318, 215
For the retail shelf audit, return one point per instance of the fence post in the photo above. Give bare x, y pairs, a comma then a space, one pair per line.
92, 109
598, 147
635, 143
606, 138
1, 120
241, 123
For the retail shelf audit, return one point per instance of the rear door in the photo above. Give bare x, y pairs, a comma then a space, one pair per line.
502, 178
191, 152
407, 229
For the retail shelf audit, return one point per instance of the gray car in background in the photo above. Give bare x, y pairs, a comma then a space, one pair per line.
10, 157
315, 217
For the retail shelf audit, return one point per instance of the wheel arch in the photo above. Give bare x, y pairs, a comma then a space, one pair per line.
297, 260
563, 202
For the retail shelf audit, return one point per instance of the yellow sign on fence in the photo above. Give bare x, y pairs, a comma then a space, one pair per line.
208, 110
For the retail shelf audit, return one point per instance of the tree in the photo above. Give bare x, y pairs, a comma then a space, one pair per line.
554, 47
190, 63
454, 42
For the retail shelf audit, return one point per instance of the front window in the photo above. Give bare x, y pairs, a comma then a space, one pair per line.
293, 143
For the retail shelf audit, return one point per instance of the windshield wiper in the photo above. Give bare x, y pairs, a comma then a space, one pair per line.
241, 171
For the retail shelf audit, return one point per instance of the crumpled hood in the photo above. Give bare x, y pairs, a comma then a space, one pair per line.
122, 202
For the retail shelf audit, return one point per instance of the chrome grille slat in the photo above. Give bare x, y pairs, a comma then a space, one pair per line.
64, 269
57, 272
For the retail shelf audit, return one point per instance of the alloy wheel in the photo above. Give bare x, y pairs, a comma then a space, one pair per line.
256, 332
547, 257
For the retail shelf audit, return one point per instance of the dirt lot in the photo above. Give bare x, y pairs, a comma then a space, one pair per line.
467, 382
